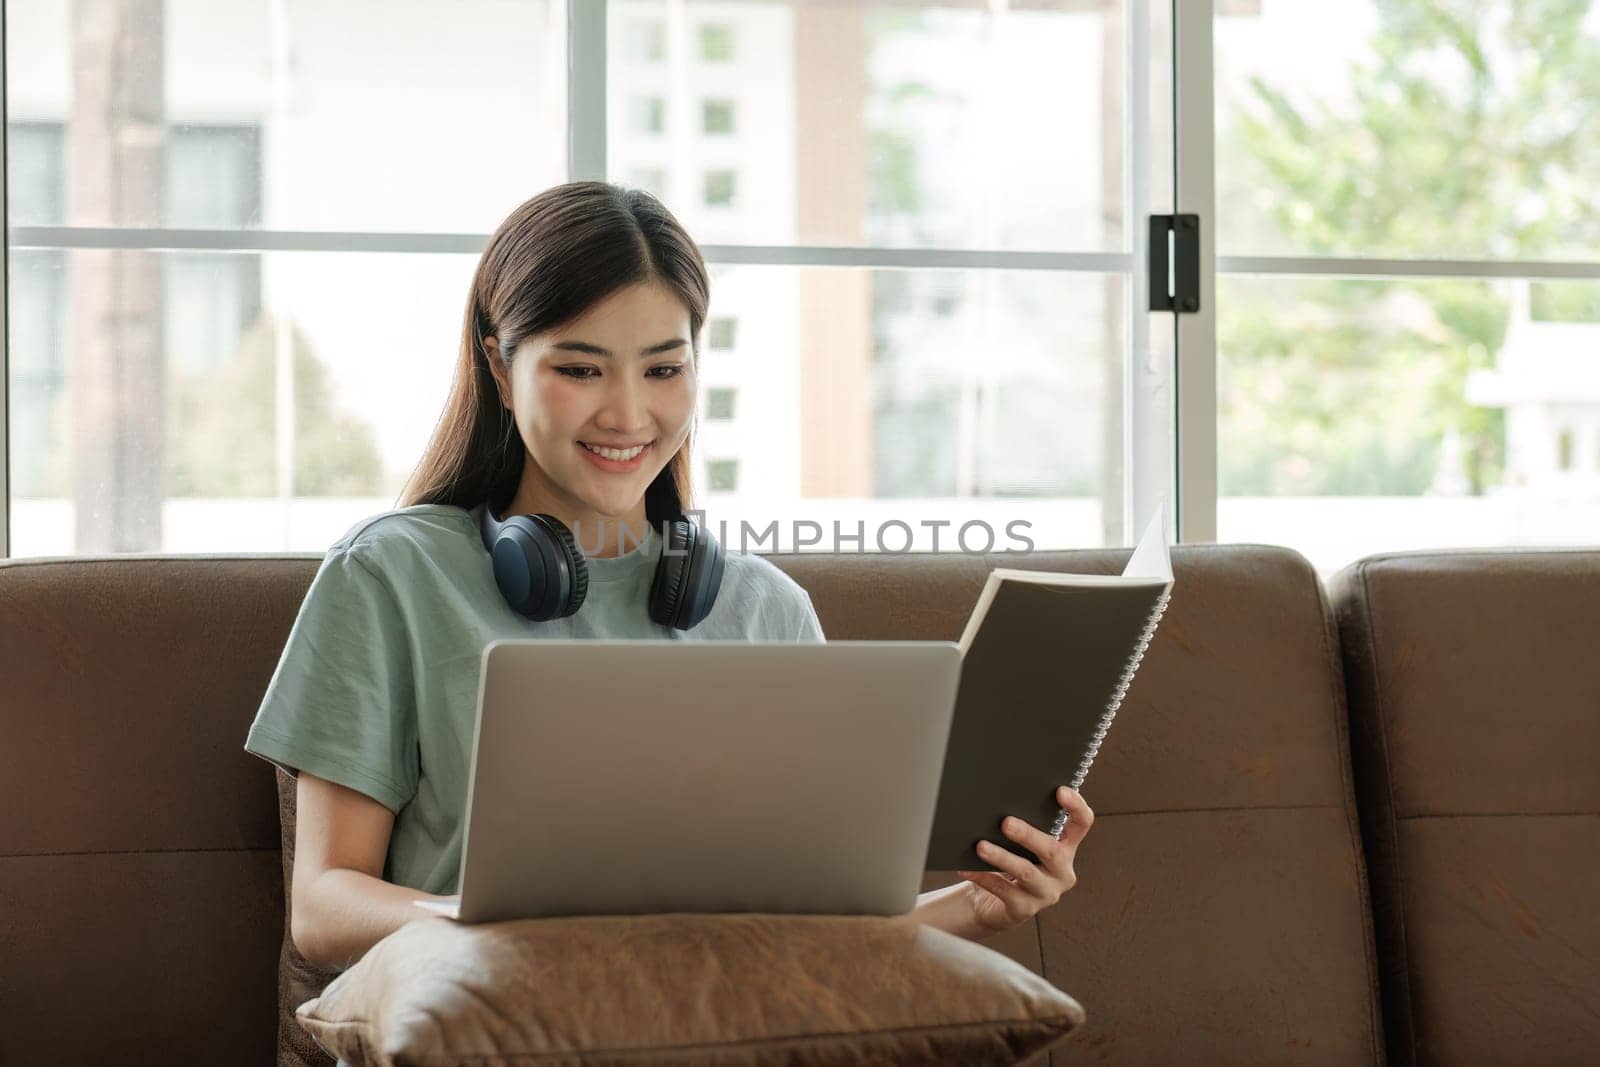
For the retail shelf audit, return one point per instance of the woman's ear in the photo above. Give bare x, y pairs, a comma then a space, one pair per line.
497, 367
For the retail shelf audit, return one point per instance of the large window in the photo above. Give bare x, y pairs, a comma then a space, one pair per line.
241, 234
241, 257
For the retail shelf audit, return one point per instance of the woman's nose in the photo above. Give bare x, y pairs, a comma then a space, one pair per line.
623, 407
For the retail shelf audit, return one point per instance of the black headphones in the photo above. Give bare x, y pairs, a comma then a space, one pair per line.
543, 574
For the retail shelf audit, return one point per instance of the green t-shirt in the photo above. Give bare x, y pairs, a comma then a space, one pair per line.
377, 685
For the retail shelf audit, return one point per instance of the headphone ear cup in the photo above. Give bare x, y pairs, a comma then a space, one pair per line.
711, 585
577, 565
672, 574
687, 579
538, 566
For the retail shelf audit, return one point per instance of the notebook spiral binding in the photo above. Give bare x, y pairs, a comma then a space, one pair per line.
1120, 691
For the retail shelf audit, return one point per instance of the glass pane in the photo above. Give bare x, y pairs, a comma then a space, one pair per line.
953, 125
36, 292
36, 192
1409, 129
161, 431
1359, 416
884, 398
925, 398
357, 115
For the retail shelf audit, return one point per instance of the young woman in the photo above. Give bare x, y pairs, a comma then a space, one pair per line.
574, 398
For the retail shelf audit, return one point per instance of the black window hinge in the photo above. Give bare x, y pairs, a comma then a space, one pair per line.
1181, 291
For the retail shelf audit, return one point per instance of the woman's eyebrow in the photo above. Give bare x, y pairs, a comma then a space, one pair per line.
596, 350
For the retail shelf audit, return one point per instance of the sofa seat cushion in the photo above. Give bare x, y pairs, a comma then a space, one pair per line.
686, 988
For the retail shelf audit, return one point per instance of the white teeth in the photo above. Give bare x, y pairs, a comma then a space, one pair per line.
621, 455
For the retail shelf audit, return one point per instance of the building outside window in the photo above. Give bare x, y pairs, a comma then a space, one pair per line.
719, 404
724, 475
649, 115
716, 117
649, 40
716, 42
720, 187
721, 332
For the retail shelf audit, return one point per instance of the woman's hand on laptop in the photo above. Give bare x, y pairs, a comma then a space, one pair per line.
1020, 890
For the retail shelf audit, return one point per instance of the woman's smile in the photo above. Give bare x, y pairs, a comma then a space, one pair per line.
616, 460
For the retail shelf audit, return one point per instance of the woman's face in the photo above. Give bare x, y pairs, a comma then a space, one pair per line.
619, 378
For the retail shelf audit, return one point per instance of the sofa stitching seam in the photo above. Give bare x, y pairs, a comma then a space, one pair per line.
1498, 815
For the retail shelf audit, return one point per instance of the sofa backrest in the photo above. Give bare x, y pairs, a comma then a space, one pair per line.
139, 862
1475, 711
1221, 911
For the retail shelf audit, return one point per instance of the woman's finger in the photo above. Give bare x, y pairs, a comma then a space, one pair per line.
1079, 815
1018, 904
1028, 874
998, 884
1035, 840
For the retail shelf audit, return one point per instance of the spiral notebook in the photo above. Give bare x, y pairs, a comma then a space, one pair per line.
1047, 658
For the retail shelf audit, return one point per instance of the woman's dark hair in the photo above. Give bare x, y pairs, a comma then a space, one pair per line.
551, 260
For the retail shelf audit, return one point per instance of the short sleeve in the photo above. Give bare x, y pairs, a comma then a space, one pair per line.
342, 701
808, 628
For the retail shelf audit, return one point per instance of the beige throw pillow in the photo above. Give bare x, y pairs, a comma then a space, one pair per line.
690, 989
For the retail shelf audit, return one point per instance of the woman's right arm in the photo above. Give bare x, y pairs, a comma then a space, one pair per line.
341, 906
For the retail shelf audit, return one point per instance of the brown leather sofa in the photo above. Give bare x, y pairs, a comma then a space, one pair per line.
1343, 823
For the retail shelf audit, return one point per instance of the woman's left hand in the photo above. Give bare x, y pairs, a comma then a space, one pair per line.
1021, 889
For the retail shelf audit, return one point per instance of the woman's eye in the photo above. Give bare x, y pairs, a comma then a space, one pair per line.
576, 372
671, 370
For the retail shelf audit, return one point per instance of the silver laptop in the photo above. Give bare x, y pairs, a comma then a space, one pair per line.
629, 777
